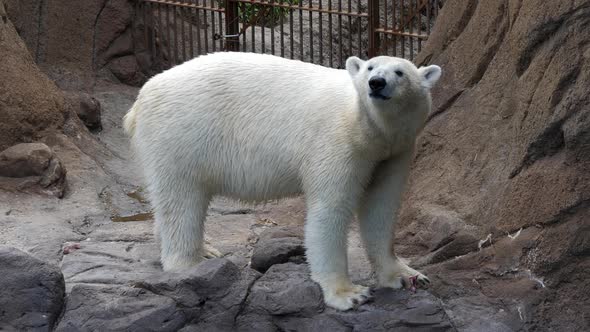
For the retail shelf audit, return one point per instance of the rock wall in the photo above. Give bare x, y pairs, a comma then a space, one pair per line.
506, 151
72, 40
30, 104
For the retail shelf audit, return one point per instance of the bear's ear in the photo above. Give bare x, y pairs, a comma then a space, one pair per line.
353, 65
429, 75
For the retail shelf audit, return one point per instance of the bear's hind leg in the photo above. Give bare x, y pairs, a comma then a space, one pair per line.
180, 209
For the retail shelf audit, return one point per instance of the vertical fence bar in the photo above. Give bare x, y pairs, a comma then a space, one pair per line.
312, 56
410, 21
373, 25
402, 27
253, 33
174, 13
154, 24
359, 25
198, 16
272, 28
190, 33
350, 36
182, 32
394, 20
291, 31
413, 27
301, 57
264, 9
168, 35
243, 33
220, 26
205, 26
232, 27
160, 31
418, 12
213, 41
321, 34
282, 39
340, 63
330, 34
386, 25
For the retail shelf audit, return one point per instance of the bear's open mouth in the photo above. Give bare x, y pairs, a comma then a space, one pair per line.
377, 95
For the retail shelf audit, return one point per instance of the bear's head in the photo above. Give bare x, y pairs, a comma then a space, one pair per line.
385, 80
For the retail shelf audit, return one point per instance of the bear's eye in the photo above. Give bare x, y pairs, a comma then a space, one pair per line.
399, 73
370, 68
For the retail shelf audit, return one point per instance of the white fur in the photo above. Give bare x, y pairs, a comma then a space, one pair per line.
258, 127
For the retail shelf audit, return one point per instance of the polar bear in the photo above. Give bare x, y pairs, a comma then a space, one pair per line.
258, 127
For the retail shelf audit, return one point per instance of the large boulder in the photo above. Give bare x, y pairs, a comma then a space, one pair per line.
31, 292
506, 151
32, 167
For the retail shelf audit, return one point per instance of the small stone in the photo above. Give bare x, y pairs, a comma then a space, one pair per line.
71, 247
285, 289
87, 108
273, 251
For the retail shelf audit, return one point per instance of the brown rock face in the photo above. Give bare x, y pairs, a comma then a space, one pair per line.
30, 103
508, 148
73, 39
127, 70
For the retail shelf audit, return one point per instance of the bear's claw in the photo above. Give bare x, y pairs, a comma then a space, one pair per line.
210, 252
418, 281
348, 297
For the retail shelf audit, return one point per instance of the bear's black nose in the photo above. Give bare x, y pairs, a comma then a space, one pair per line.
377, 83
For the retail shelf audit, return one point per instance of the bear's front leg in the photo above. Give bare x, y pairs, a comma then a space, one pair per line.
326, 245
378, 216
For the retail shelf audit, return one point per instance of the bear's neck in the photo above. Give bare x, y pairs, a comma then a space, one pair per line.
381, 134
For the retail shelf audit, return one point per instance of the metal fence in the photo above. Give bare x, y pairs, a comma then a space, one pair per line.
325, 32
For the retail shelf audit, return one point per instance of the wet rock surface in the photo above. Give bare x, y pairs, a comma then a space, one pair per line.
31, 292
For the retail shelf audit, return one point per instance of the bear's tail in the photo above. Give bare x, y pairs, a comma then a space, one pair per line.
130, 119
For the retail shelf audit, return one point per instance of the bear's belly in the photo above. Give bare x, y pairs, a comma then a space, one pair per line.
258, 182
